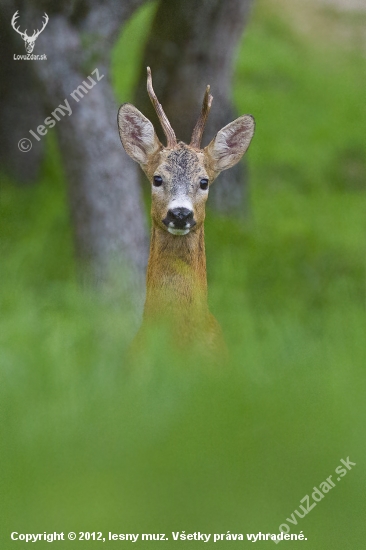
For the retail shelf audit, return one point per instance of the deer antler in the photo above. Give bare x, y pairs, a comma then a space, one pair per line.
168, 130
200, 124
13, 22
37, 33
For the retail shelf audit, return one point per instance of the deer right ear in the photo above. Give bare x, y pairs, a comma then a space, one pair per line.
230, 144
137, 134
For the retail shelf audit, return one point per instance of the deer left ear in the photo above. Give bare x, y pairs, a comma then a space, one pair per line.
137, 134
230, 144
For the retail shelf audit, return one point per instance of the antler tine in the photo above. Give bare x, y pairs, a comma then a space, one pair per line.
46, 18
168, 130
14, 18
200, 124
13, 22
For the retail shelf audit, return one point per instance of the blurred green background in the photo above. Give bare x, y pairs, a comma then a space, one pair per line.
87, 445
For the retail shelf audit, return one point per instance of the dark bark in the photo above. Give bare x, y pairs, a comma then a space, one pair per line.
21, 107
192, 44
105, 198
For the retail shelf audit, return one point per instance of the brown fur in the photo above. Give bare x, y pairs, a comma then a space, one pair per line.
176, 281
176, 292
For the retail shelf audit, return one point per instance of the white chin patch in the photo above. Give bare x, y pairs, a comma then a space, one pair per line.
178, 231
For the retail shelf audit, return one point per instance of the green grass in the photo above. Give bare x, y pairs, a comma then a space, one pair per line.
87, 446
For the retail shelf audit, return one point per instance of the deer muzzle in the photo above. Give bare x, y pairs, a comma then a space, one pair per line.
179, 221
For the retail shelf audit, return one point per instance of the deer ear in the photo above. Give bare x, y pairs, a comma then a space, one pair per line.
230, 143
137, 134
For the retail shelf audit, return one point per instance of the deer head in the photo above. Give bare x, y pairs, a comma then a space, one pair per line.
29, 40
181, 174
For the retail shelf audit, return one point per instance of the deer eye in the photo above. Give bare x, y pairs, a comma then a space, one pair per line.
204, 184
158, 180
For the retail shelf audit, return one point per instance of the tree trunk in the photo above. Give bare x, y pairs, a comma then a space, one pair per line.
106, 204
192, 44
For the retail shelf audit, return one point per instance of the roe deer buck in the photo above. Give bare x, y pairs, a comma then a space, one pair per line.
180, 175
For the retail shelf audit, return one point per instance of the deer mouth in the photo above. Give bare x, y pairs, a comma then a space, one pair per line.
175, 228
175, 231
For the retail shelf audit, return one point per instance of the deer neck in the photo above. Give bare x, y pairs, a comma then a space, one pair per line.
176, 275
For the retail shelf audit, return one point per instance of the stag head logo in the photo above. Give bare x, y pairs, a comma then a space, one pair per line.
29, 40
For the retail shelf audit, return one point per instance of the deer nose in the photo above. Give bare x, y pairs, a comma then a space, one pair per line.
180, 214
179, 217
